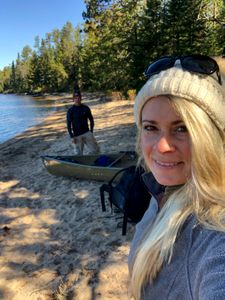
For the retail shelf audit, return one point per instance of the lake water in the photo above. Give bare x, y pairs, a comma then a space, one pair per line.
17, 113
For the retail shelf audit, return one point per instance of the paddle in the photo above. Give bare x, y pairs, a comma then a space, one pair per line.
115, 161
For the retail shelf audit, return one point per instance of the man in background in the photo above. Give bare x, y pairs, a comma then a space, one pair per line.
81, 132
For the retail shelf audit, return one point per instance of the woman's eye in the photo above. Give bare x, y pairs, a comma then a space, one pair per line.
149, 127
182, 128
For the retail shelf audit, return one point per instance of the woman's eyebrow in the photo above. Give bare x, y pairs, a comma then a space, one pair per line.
155, 122
149, 121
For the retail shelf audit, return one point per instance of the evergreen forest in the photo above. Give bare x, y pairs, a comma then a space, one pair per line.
110, 50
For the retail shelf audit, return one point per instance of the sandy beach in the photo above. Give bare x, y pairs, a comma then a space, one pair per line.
55, 242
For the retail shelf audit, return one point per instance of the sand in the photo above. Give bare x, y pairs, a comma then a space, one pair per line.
55, 242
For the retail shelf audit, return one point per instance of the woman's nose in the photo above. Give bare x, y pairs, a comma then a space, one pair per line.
165, 144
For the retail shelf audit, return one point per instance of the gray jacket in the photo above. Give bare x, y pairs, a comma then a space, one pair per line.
197, 268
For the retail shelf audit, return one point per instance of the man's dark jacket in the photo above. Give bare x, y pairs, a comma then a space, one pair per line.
77, 120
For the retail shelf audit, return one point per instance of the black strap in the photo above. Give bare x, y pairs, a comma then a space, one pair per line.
120, 171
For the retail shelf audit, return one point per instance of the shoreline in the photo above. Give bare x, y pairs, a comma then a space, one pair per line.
56, 102
61, 101
55, 240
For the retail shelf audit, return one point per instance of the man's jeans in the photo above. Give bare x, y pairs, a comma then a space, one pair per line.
87, 139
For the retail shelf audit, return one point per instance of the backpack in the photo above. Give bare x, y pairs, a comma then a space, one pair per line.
127, 192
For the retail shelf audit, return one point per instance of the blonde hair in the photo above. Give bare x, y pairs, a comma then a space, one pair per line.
202, 195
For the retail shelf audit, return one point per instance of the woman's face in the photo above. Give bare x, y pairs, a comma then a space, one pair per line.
165, 142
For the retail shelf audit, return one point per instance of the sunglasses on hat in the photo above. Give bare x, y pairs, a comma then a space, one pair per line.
194, 63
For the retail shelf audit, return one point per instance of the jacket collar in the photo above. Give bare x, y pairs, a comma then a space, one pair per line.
155, 189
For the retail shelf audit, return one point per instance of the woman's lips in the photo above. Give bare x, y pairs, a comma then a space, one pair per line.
167, 164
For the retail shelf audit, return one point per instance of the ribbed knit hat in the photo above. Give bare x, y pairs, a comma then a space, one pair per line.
203, 90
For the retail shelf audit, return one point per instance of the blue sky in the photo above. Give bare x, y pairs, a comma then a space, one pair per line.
22, 20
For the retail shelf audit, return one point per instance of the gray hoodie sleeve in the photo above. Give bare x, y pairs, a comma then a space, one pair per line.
208, 282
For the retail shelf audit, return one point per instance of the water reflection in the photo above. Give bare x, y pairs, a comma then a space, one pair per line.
17, 113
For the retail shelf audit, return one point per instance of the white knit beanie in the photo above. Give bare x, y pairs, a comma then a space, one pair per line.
203, 90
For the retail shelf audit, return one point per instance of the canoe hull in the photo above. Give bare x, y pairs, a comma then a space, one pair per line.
82, 166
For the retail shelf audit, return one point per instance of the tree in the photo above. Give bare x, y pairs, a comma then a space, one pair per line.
185, 31
113, 47
110, 33
23, 66
213, 13
5, 77
13, 83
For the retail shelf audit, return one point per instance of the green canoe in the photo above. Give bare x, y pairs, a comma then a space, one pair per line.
101, 167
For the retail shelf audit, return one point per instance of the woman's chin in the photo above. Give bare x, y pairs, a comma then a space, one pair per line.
169, 181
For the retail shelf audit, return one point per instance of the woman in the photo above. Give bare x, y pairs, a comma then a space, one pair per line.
178, 250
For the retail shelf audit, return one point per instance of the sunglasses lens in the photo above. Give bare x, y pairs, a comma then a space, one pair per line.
199, 64
159, 65
194, 63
